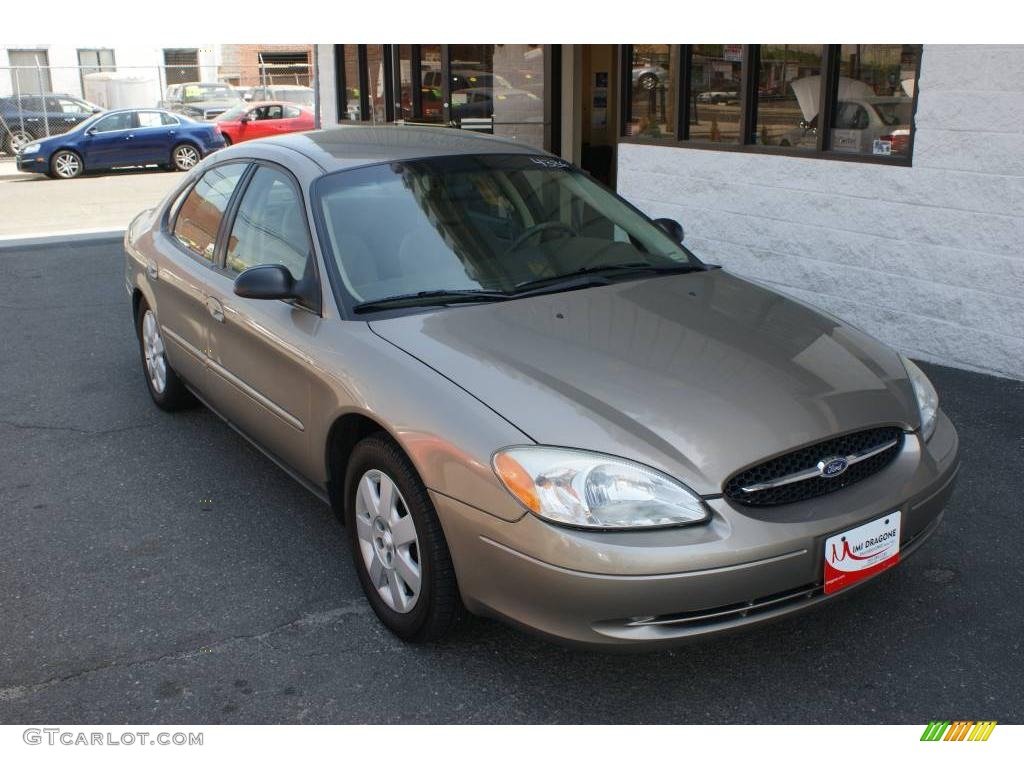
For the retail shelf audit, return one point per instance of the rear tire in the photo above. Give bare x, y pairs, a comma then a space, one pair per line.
398, 546
165, 387
17, 140
185, 156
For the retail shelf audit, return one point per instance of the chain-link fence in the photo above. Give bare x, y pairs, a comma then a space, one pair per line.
37, 101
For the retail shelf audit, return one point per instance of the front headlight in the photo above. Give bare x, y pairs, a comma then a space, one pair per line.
31, 149
591, 490
927, 397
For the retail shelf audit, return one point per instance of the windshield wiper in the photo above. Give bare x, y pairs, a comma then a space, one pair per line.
635, 266
426, 298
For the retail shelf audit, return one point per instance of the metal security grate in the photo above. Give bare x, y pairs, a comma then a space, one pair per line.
743, 487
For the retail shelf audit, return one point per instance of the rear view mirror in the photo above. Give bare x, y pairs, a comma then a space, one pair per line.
270, 281
670, 227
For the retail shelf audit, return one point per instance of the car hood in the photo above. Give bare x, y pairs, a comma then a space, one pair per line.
699, 375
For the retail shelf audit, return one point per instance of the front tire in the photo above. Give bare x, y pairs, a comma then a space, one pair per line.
66, 164
397, 544
165, 387
185, 157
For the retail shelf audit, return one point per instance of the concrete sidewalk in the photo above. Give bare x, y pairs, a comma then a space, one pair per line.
33, 205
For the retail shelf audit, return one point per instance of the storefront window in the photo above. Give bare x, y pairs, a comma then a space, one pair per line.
499, 89
375, 82
875, 100
351, 102
715, 85
431, 85
652, 104
788, 95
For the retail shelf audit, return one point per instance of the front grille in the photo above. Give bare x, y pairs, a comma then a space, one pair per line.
806, 459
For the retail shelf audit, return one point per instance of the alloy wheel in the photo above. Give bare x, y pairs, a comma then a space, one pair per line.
185, 157
153, 349
67, 165
388, 541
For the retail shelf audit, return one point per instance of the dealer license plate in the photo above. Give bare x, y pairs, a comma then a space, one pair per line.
854, 555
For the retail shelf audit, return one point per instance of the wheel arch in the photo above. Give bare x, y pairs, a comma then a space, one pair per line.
344, 434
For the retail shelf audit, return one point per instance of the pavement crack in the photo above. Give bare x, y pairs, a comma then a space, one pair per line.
75, 430
356, 606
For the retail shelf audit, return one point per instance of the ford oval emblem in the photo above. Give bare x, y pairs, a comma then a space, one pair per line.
832, 467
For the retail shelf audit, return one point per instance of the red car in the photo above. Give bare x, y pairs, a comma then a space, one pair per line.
264, 118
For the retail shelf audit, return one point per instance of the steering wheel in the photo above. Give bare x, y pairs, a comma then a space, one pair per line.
537, 229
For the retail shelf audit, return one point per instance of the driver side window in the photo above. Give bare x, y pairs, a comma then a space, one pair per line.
120, 121
270, 226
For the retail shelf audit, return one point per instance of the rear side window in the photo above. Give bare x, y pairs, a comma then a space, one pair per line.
198, 219
270, 227
290, 111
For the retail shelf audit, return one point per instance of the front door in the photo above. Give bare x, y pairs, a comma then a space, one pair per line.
184, 270
260, 350
110, 141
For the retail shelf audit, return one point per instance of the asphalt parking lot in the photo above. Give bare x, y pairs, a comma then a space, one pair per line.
122, 601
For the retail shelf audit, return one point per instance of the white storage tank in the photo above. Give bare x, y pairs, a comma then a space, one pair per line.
121, 90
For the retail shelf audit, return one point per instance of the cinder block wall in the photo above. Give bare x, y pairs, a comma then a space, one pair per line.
929, 259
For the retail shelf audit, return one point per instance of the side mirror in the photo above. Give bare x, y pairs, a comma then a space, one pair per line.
670, 227
269, 281
91, 132
244, 118
97, 110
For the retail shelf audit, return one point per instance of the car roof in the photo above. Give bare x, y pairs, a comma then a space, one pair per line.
349, 146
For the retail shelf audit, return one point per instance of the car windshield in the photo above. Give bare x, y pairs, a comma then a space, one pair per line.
193, 93
234, 113
494, 223
893, 112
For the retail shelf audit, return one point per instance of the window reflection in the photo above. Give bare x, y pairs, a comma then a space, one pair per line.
375, 83
875, 99
788, 95
352, 109
715, 85
499, 89
652, 107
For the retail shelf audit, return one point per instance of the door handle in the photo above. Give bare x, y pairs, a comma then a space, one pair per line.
216, 309
129, 136
151, 270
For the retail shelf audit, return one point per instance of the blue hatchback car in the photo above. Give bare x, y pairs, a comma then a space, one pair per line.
123, 138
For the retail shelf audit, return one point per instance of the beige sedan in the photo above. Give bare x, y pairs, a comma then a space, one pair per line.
524, 398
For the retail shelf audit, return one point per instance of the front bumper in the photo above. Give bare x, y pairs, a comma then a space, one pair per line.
657, 588
34, 163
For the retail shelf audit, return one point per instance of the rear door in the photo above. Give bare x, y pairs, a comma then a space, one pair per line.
183, 274
260, 350
154, 136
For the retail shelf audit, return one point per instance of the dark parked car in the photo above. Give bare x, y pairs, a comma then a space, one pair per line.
203, 101
25, 118
126, 137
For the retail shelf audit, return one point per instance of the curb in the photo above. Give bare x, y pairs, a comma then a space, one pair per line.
50, 238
